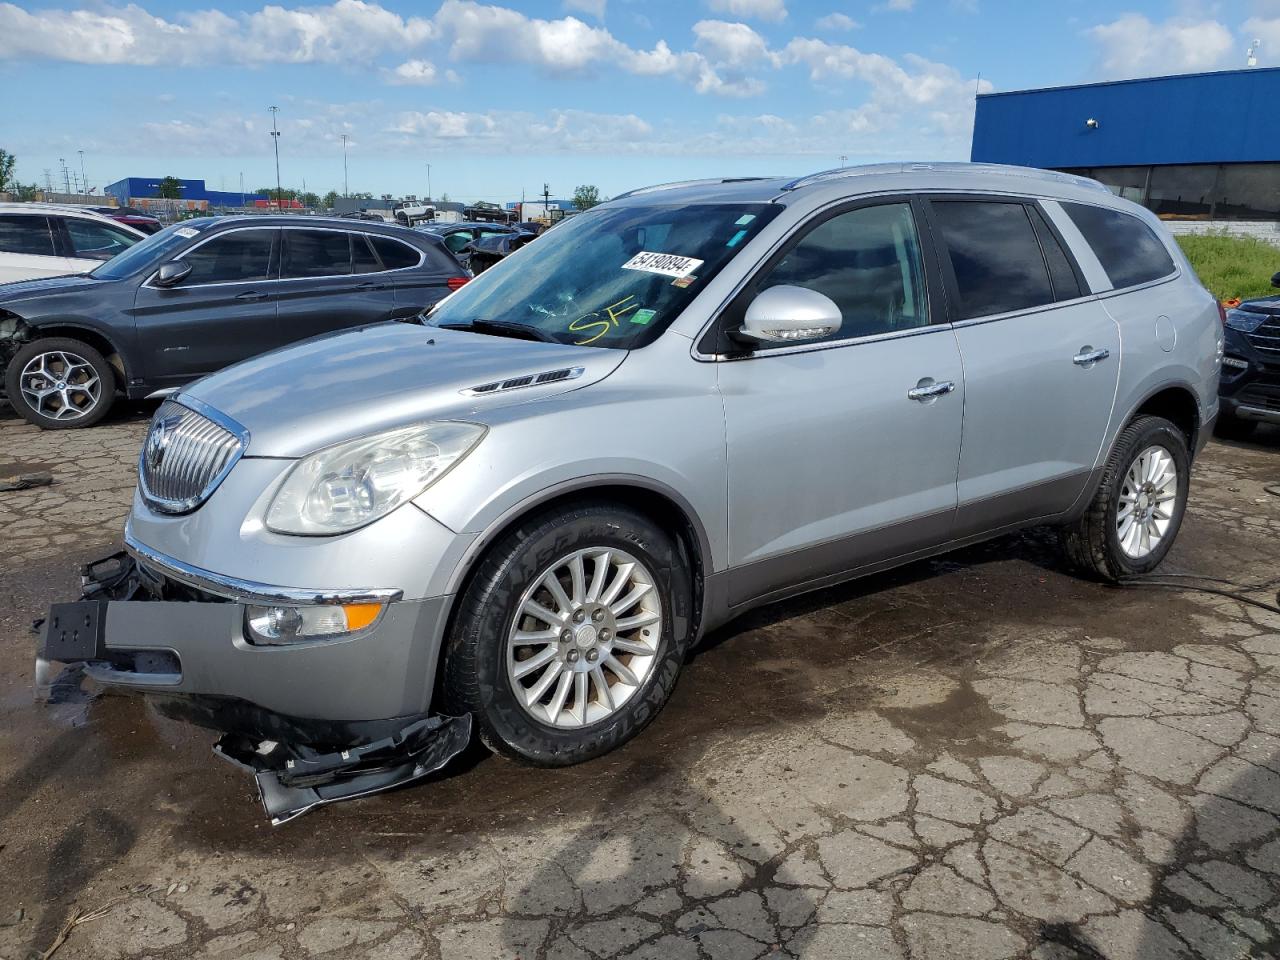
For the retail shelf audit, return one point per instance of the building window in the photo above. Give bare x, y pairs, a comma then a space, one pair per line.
1208, 191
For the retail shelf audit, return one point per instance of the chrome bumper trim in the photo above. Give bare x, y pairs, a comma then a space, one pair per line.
247, 591
1247, 412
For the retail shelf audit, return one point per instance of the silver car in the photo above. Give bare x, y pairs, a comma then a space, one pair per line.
516, 517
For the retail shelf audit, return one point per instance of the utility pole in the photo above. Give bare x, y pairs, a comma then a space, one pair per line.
346, 192
48, 180
428, 182
275, 141
83, 178
242, 189
843, 160
546, 199
66, 175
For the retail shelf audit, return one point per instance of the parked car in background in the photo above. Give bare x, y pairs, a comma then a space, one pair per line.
48, 240
1250, 385
131, 217
483, 252
458, 237
199, 296
688, 402
410, 213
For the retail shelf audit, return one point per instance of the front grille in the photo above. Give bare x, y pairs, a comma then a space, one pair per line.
185, 456
1266, 339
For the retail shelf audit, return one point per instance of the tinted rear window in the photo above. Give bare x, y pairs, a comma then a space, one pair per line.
995, 256
316, 253
1128, 249
394, 254
26, 234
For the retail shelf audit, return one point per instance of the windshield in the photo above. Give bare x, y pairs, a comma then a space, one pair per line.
152, 250
613, 277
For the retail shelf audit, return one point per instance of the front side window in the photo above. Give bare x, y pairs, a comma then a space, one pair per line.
1127, 248
995, 257
868, 262
316, 253
152, 251
610, 277
239, 256
27, 235
91, 240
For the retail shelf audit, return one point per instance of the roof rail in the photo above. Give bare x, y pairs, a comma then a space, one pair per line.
677, 184
1029, 173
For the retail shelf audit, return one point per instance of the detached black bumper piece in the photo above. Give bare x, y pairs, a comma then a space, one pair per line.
293, 779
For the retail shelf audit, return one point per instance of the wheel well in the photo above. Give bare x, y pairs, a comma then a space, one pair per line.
1178, 406
84, 335
658, 507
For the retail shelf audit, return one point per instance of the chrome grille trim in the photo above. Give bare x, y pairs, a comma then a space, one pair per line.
189, 450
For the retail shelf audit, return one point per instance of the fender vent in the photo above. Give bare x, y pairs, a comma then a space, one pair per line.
528, 380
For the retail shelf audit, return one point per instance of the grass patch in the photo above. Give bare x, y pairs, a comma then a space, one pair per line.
1233, 266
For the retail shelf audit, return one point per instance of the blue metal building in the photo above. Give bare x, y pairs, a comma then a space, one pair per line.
138, 188
1196, 146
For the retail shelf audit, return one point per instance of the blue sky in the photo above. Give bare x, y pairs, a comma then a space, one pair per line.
502, 97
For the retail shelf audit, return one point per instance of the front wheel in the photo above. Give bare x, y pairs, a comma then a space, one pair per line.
569, 638
59, 383
1137, 510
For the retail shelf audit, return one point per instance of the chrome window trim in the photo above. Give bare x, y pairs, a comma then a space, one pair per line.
831, 345
249, 591
179, 507
422, 257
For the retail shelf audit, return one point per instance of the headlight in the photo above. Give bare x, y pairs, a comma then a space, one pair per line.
1244, 320
354, 483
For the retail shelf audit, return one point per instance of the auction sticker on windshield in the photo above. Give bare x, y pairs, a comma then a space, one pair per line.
667, 264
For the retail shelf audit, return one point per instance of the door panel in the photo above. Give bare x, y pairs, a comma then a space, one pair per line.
222, 312
843, 454
319, 293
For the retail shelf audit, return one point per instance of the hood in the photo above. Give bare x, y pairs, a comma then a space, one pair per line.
321, 391
1267, 305
21, 290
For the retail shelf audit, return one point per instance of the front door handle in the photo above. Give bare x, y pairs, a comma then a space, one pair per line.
252, 296
1088, 355
928, 389
372, 286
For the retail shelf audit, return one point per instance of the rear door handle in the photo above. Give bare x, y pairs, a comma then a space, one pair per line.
927, 390
1087, 356
251, 295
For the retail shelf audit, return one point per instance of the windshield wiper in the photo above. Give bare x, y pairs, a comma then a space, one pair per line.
504, 328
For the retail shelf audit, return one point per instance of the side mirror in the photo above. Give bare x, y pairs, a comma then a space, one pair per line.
1275, 279
172, 273
788, 314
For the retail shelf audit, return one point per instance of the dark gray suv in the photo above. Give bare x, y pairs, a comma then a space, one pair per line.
199, 296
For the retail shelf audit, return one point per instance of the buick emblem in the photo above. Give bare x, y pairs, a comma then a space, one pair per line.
157, 443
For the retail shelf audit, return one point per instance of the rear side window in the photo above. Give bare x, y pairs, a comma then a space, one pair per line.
240, 256
394, 254
27, 235
995, 257
316, 253
1065, 284
362, 257
1128, 249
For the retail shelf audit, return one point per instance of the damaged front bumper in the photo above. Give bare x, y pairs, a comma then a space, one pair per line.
315, 722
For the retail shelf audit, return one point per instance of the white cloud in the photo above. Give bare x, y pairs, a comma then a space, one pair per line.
733, 45
420, 73
346, 31
559, 131
594, 7
1133, 46
898, 6
836, 21
773, 10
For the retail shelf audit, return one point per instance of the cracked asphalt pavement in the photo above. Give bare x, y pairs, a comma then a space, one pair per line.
978, 757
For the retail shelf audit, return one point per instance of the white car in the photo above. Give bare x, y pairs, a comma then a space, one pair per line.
49, 240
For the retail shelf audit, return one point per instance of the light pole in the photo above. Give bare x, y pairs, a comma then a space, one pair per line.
345, 191
83, 178
275, 141
428, 181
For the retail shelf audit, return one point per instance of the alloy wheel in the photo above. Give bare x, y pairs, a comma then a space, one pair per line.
585, 637
1147, 501
60, 385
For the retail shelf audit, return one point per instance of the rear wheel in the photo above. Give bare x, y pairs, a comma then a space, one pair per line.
569, 638
60, 384
1137, 510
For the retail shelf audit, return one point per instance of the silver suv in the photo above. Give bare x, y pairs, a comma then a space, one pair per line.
690, 401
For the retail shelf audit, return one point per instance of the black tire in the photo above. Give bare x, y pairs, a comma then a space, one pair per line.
1092, 542
1231, 427
475, 673
92, 413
